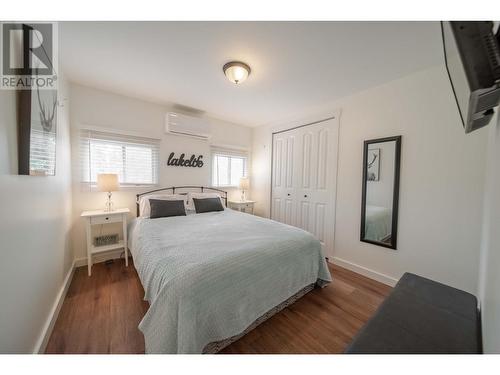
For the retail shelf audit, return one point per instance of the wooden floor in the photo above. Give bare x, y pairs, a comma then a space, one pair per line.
101, 313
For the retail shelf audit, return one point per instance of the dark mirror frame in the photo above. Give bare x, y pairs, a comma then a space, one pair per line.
395, 194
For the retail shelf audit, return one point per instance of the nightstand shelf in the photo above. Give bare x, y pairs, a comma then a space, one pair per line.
105, 248
242, 206
101, 217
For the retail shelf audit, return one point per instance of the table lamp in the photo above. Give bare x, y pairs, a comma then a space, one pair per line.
244, 185
108, 182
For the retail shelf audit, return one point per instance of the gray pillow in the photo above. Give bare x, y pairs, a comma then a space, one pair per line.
166, 208
207, 205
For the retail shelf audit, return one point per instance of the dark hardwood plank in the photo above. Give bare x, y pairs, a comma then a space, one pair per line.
101, 314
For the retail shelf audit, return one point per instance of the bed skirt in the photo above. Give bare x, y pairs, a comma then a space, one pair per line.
217, 346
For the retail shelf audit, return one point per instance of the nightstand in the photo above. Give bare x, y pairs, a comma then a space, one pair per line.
101, 217
242, 206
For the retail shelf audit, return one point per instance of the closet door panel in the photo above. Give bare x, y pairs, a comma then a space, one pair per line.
320, 222
284, 175
290, 162
304, 214
288, 212
277, 162
322, 159
306, 159
276, 209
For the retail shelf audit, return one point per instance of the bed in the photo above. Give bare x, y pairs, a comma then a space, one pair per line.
378, 223
212, 277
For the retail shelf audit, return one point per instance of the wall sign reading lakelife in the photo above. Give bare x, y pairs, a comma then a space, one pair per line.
193, 161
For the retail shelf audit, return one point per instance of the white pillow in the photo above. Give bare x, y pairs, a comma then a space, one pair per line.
192, 195
145, 208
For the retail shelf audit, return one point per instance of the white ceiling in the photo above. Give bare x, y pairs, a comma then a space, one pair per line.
295, 65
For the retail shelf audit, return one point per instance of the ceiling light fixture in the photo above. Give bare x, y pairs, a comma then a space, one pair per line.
236, 71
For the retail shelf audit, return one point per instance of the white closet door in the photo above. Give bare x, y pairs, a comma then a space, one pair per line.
284, 176
304, 179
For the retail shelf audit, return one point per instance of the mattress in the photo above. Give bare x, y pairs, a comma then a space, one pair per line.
378, 223
208, 277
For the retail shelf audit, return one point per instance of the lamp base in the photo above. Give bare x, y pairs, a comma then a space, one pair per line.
109, 204
243, 196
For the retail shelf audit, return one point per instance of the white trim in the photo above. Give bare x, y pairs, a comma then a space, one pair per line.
385, 279
312, 118
92, 187
338, 117
112, 130
80, 262
230, 147
42, 341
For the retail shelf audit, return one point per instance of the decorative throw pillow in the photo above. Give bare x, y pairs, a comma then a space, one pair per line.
192, 195
166, 208
145, 209
207, 205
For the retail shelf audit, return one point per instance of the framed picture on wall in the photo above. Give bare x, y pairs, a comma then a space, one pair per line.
373, 165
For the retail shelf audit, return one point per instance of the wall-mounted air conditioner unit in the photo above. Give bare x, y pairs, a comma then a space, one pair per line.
189, 126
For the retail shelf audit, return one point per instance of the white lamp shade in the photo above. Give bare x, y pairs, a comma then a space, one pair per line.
244, 183
107, 182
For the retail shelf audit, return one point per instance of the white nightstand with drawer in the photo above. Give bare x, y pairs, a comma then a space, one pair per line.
242, 206
101, 217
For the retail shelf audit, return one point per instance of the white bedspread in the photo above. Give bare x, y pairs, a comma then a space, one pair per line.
209, 276
378, 223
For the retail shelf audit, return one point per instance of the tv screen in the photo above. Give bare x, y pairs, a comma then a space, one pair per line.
472, 57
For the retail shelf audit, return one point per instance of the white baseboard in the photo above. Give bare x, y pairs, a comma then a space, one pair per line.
54, 313
385, 279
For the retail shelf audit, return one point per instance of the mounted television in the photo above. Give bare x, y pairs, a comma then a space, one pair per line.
472, 57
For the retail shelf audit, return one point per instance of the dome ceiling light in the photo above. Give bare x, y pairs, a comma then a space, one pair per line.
236, 71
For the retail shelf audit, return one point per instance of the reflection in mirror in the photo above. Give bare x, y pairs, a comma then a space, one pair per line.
37, 132
381, 159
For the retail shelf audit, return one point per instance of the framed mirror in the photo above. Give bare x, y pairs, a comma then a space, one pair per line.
379, 202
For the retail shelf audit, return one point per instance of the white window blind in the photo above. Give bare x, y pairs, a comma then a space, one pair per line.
228, 166
42, 153
134, 159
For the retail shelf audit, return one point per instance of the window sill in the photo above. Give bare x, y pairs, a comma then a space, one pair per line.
85, 186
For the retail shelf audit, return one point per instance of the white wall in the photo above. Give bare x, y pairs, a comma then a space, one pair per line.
35, 251
96, 108
489, 272
441, 189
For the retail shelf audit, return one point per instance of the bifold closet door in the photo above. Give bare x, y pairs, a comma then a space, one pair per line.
284, 175
304, 179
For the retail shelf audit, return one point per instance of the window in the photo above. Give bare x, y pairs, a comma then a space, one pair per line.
42, 153
134, 159
228, 166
